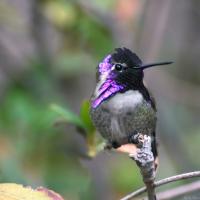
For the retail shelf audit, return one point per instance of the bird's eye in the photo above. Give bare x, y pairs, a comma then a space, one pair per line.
118, 67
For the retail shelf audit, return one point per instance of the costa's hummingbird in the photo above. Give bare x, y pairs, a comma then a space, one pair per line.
121, 105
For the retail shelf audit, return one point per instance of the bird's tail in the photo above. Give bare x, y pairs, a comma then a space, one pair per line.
154, 146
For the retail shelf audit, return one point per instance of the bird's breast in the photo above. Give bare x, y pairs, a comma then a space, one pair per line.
122, 114
123, 102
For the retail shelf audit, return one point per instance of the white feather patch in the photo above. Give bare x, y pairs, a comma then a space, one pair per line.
130, 99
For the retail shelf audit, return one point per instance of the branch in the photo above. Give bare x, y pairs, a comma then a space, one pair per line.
145, 161
179, 191
163, 182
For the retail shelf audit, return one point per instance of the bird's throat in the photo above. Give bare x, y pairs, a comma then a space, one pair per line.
106, 90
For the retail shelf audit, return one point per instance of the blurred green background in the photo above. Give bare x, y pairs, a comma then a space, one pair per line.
49, 50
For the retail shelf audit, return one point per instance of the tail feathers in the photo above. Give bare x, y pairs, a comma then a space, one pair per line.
154, 150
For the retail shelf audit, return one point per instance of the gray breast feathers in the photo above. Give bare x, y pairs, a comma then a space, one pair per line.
124, 114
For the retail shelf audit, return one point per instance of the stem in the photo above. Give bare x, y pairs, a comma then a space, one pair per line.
163, 182
179, 191
145, 161
150, 191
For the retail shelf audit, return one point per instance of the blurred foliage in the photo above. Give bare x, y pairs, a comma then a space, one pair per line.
34, 149
63, 14
49, 51
18, 192
30, 148
84, 126
122, 179
82, 31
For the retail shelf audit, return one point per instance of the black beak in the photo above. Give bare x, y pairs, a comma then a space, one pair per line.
152, 65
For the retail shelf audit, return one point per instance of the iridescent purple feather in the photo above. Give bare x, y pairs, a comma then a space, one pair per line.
106, 65
107, 91
109, 87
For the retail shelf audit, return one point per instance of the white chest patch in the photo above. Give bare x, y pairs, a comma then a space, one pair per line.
129, 99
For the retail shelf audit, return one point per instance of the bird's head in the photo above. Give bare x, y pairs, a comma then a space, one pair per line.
118, 72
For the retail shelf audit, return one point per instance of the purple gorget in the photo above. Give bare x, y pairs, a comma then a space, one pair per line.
109, 87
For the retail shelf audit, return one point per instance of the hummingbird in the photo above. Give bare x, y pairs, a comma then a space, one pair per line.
121, 106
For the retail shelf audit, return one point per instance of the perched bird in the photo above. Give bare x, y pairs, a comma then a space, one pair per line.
121, 105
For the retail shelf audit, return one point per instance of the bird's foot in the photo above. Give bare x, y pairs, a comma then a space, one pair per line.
136, 138
110, 145
145, 159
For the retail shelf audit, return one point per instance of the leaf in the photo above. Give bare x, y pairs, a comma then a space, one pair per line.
50, 193
90, 129
12, 191
83, 123
61, 13
68, 116
85, 116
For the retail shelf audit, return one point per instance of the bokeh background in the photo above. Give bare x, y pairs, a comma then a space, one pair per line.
49, 50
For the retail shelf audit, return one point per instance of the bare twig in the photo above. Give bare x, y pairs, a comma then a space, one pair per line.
145, 161
163, 182
179, 191
177, 178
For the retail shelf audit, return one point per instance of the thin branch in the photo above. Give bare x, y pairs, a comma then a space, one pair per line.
179, 191
177, 178
145, 161
163, 182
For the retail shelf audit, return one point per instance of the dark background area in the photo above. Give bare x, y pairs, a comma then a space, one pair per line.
49, 50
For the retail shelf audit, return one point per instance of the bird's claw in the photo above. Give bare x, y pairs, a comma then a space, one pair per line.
137, 139
109, 145
144, 154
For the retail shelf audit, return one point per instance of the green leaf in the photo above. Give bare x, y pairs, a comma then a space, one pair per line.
85, 116
69, 116
91, 131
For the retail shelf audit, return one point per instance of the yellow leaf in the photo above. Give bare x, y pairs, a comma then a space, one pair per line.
12, 191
